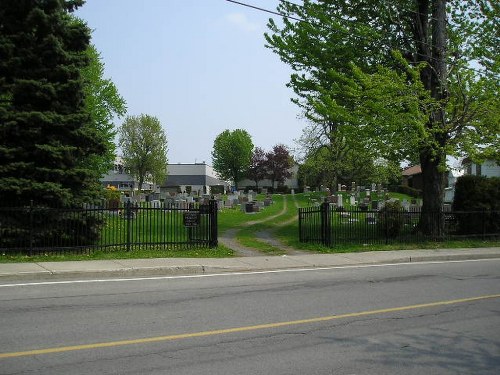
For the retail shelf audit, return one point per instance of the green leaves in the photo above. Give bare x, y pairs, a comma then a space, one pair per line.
232, 154
144, 148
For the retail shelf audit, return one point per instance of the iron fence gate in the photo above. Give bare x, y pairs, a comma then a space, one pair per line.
38, 230
329, 226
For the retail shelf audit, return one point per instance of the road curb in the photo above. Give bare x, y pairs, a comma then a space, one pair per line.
131, 272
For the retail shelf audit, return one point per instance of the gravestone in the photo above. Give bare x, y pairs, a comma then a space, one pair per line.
352, 200
340, 202
371, 218
405, 204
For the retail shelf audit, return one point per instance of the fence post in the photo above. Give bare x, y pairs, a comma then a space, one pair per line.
31, 228
300, 224
212, 213
325, 224
128, 218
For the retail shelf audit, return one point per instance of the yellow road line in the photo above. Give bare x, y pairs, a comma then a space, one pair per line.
241, 329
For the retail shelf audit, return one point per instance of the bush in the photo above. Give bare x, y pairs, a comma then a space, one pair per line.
217, 189
282, 189
481, 195
403, 189
390, 218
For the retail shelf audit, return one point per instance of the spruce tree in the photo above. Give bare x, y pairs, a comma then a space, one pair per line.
46, 134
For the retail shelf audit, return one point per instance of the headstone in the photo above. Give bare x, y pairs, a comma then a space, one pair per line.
371, 218
406, 205
293, 191
339, 187
353, 186
352, 200
155, 204
340, 202
374, 186
367, 192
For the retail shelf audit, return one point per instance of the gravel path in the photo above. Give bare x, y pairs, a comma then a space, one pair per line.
228, 238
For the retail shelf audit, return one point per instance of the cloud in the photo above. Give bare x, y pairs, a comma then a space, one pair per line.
242, 22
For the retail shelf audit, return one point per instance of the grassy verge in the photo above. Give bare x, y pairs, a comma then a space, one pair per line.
287, 235
120, 253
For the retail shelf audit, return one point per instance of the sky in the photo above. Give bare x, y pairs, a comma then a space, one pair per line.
200, 67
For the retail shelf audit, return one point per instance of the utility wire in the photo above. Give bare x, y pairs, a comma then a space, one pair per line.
266, 10
337, 30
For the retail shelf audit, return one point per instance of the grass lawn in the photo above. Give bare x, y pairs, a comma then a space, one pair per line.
275, 220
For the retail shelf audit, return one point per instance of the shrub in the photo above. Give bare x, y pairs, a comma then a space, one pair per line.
481, 195
390, 218
403, 189
282, 189
217, 189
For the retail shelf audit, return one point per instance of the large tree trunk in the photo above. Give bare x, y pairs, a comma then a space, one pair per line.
433, 177
434, 78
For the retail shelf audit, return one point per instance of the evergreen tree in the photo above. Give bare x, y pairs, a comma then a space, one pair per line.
47, 138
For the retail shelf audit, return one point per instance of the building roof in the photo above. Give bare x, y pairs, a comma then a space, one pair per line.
117, 177
200, 180
411, 171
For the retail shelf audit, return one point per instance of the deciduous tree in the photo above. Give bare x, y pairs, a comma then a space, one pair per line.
278, 164
408, 78
144, 148
103, 102
257, 169
232, 154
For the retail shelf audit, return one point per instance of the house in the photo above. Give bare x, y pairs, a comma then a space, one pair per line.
292, 182
412, 177
489, 168
197, 177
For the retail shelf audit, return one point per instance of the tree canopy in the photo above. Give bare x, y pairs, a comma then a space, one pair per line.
278, 164
257, 169
103, 103
407, 79
144, 148
47, 136
232, 154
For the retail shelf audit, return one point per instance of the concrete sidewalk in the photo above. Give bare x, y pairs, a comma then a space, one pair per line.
188, 266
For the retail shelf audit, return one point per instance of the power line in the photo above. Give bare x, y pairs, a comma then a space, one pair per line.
266, 10
336, 30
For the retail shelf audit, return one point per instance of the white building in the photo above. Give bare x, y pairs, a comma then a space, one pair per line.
489, 168
197, 177
292, 182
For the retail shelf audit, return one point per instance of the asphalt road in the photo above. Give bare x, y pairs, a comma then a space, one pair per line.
440, 318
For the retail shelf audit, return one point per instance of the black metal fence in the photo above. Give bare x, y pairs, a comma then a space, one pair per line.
39, 230
328, 226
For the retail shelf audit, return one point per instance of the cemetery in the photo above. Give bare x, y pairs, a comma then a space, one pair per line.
370, 215
180, 220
